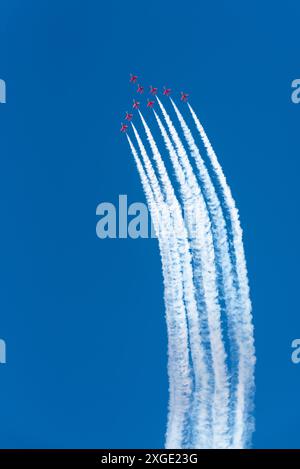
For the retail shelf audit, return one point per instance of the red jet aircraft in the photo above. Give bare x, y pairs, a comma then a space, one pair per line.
150, 103
167, 91
140, 89
128, 116
184, 96
133, 78
123, 128
136, 104
153, 90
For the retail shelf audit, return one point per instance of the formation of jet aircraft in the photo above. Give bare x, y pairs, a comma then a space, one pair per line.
150, 103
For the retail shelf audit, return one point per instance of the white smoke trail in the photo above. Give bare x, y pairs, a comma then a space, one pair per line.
223, 258
206, 261
178, 349
244, 425
187, 199
201, 377
202, 252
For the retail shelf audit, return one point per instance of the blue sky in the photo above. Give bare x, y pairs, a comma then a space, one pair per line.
83, 318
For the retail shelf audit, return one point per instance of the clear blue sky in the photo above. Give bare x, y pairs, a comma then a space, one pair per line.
83, 318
